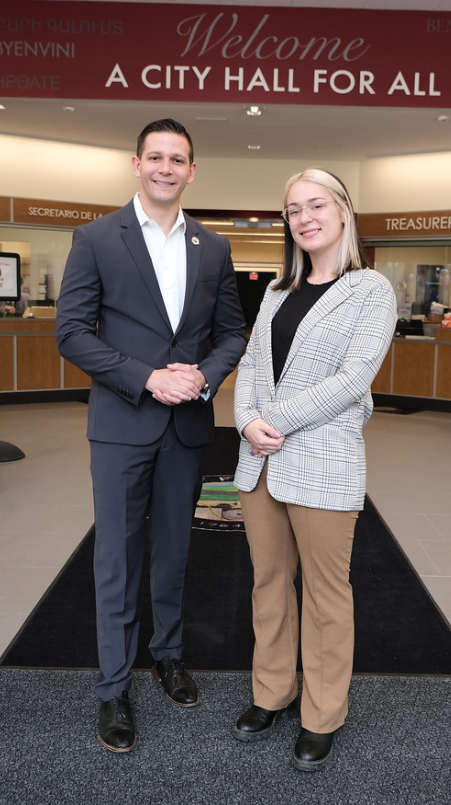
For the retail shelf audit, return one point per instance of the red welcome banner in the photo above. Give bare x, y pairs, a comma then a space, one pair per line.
156, 52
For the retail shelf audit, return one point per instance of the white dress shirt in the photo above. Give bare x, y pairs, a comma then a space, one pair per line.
168, 255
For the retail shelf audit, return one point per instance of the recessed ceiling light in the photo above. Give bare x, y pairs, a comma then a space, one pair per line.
254, 147
2, 107
443, 118
254, 111
68, 108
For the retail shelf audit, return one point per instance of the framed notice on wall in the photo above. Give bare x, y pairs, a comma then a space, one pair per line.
9, 277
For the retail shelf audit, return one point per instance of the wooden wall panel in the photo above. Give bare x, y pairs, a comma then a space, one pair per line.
443, 386
74, 378
381, 383
413, 369
7, 363
13, 325
38, 363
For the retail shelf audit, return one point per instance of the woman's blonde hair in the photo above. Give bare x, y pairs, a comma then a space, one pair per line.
351, 256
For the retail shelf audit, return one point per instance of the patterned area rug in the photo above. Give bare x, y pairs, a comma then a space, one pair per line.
219, 505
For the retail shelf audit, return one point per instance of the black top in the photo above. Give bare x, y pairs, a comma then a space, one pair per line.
287, 320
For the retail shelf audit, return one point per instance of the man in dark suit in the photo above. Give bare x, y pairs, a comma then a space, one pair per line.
149, 309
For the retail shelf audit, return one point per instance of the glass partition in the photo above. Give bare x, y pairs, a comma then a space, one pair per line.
419, 274
43, 254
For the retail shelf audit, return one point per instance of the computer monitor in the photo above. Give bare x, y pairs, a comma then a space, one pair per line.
9, 277
409, 327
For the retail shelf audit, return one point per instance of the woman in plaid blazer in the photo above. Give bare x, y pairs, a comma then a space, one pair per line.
302, 398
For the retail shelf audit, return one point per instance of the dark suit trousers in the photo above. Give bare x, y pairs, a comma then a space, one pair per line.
132, 483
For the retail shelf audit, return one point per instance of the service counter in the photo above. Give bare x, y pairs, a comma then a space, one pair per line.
417, 366
30, 361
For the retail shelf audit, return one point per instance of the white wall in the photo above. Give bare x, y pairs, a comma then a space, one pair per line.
407, 183
258, 184
55, 171
61, 172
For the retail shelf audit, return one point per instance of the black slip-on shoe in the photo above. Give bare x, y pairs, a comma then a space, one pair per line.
257, 723
312, 750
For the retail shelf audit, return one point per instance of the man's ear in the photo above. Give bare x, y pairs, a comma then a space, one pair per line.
192, 171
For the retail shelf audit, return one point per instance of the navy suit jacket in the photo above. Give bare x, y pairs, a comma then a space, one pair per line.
112, 324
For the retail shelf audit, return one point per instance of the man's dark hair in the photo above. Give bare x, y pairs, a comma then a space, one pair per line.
167, 124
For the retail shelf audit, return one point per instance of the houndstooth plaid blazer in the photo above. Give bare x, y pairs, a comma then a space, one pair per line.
322, 400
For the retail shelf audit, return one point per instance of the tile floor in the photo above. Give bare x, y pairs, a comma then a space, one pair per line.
46, 503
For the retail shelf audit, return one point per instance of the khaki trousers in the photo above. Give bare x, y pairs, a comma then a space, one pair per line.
279, 534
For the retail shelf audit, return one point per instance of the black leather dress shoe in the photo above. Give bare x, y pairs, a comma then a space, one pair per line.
180, 688
256, 724
312, 750
116, 728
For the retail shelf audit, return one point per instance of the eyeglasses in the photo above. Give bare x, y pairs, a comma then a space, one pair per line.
293, 215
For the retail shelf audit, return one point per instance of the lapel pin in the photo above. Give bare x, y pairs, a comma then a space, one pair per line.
195, 241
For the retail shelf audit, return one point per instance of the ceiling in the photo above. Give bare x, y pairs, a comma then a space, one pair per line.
320, 132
